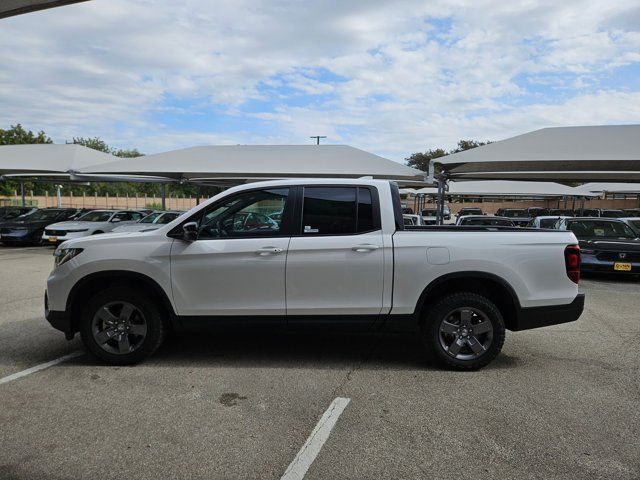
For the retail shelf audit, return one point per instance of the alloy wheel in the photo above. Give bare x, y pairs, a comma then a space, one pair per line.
119, 327
465, 333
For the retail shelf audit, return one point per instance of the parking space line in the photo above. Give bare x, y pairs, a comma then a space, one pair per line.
298, 467
37, 368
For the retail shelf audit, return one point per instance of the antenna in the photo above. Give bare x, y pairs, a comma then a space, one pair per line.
318, 137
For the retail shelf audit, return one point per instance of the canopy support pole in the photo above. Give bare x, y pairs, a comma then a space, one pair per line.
441, 178
59, 196
198, 193
163, 190
582, 206
22, 195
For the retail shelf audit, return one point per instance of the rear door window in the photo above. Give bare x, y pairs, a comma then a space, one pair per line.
338, 211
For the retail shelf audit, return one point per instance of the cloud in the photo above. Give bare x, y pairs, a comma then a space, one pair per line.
389, 77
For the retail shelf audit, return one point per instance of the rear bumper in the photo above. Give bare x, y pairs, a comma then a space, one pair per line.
537, 317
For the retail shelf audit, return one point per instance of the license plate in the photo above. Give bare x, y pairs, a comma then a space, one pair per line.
53, 239
622, 266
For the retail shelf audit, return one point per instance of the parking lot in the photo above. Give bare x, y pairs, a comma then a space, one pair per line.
559, 402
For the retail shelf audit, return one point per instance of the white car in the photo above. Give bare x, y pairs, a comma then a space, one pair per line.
338, 256
151, 222
412, 220
91, 223
546, 221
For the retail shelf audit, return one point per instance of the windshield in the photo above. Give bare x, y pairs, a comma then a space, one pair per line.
471, 211
96, 216
613, 213
41, 215
514, 213
167, 218
429, 212
151, 218
601, 228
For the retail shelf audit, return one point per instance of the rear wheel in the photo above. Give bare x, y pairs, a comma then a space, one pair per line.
464, 331
97, 232
121, 326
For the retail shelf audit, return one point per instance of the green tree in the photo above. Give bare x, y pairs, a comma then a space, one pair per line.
421, 160
16, 135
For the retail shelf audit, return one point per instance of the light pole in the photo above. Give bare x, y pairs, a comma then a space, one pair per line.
318, 137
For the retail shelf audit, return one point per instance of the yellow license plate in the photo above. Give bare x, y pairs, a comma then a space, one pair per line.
622, 266
53, 239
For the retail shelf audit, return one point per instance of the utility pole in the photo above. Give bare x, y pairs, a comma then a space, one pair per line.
318, 137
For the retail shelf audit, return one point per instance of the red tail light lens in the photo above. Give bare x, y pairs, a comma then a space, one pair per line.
572, 262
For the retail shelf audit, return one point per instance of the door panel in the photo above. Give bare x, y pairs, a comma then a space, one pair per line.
229, 277
335, 275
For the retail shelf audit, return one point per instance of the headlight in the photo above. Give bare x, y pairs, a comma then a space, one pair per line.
63, 255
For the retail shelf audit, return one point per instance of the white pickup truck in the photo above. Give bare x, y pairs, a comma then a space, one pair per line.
313, 253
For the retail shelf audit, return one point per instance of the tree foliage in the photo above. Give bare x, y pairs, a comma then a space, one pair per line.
420, 160
16, 135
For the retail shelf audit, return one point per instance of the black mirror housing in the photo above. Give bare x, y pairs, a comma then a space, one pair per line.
190, 231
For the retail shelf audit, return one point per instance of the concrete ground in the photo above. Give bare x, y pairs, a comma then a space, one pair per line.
560, 402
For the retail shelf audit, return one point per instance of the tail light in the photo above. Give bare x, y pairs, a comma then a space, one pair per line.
572, 262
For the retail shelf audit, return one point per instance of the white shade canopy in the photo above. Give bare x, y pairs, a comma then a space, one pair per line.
506, 188
610, 152
48, 160
239, 163
622, 188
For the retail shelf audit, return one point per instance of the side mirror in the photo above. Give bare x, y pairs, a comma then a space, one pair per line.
190, 231
115, 220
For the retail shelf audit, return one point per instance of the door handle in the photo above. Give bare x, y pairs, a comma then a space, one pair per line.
269, 251
365, 247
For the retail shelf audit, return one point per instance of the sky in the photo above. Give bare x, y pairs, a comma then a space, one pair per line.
391, 78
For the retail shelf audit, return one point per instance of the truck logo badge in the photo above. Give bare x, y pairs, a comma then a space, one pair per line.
622, 255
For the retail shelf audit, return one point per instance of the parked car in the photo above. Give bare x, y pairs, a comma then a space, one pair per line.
340, 256
588, 212
519, 216
407, 210
431, 212
411, 220
606, 244
632, 212
11, 212
634, 223
537, 212
151, 222
91, 223
485, 220
547, 221
561, 212
612, 213
28, 228
465, 211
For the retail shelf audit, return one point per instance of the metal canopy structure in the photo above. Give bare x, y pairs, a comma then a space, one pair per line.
9, 8
235, 164
592, 153
48, 161
620, 188
506, 188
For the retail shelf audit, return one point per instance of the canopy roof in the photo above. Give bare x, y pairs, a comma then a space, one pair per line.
565, 153
48, 159
506, 188
9, 8
239, 163
631, 188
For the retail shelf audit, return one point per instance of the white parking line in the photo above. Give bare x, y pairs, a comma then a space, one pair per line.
37, 368
298, 467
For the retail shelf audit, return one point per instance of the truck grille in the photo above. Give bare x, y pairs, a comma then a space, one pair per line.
55, 233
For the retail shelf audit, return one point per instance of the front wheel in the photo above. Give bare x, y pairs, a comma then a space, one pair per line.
121, 326
464, 331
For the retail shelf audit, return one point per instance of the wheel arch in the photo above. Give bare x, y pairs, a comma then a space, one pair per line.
94, 282
492, 286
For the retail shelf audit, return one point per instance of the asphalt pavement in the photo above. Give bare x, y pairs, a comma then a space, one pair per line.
560, 402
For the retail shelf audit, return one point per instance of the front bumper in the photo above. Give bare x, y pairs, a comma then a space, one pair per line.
20, 236
60, 320
537, 317
56, 239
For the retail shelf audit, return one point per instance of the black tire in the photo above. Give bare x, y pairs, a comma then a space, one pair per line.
148, 313
482, 310
97, 232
